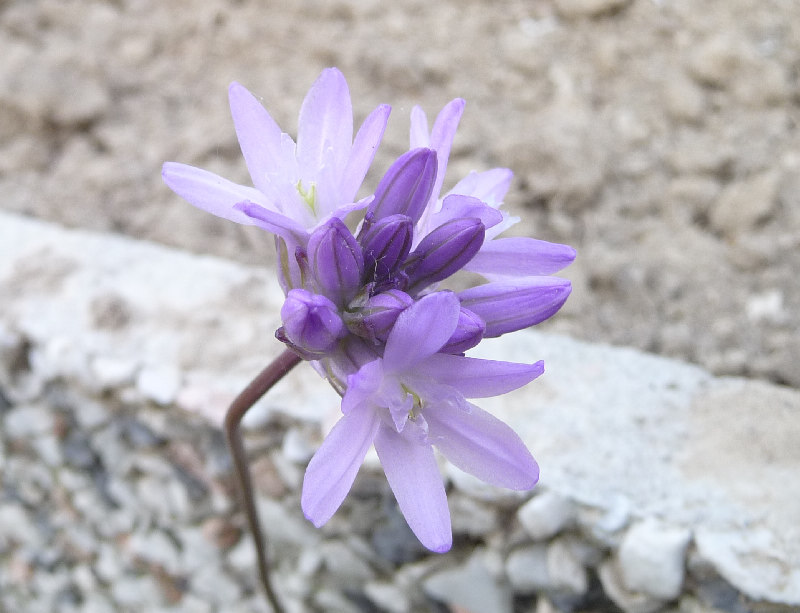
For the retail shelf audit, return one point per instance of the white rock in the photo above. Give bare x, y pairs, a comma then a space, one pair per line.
629, 602
298, 446
564, 569
159, 384
526, 568
387, 596
112, 372
545, 515
26, 421
651, 559
155, 546
471, 586
213, 583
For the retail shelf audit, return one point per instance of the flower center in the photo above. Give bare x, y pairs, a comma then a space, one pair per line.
309, 196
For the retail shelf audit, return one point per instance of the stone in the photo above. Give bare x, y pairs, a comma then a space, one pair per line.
651, 559
565, 571
159, 384
471, 586
742, 205
211, 582
28, 421
112, 372
156, 547
545, 515
526, 568
629, 602
387, 596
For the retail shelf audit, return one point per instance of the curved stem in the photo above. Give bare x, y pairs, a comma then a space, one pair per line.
233, 420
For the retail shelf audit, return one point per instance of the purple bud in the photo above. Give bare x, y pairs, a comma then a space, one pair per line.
407, 185
386, 244
310, 322
336, 261
444, 251
509, 306
469, 332
375, 319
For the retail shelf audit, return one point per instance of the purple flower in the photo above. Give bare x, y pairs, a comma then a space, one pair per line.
297, 186
409, 400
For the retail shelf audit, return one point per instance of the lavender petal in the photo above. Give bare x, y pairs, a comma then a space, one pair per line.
271, 221
510, 306
414, 477
521, 256
210, 192
490, 186
421, 330
332, 470
259, 136
363, 151
482, 445
386, 244
325, 125
476, 378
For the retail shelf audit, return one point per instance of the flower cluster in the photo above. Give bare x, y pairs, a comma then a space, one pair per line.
364, 301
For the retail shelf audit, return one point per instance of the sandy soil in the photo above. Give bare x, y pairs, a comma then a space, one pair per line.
659, 137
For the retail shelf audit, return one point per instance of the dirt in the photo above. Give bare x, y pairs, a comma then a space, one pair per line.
658, 137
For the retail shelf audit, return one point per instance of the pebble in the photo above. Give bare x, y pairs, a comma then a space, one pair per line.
614, 587
471, 586
565, 571
526, 568
112, 372
545, 515
28, 421
159, 384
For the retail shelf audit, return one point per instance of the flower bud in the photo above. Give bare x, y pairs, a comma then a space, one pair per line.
407, 185
386, 244
311, 322
336, 261
469, 332
507, 306
444, 251
375, 319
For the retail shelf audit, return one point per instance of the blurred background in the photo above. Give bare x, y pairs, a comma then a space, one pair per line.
659, 137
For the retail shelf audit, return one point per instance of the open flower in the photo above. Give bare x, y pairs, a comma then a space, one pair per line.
414, 398
298, 186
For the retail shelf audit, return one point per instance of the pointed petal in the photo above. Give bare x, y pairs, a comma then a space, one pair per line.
442, 134
259, 136
276, 223
414, 477
420, 137
513, 305
332, 470
421, 330
210, 192
482, 445
521, 256
490, 185
476, 378
326, 123
457, 205
363, 151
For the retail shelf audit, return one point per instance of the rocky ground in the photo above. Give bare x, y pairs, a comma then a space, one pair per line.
664, 489
659, 137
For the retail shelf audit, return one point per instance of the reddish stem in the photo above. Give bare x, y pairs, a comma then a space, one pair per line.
244, 482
